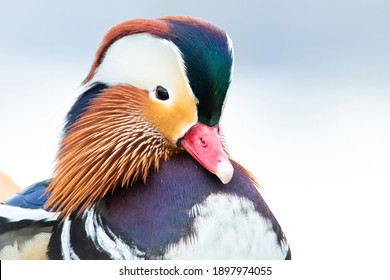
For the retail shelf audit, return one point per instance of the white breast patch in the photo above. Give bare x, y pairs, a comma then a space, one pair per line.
228, 227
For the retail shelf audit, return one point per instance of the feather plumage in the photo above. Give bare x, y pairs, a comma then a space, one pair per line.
110, 145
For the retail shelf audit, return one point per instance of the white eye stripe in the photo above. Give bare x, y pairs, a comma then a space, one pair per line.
143, 61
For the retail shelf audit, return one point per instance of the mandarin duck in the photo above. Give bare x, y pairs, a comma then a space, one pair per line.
142, 171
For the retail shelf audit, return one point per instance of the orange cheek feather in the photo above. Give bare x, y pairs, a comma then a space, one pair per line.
110, 145
175, 118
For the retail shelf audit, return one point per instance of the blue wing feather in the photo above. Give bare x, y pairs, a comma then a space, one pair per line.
32, 197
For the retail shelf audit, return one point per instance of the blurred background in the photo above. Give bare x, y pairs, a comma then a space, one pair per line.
308, 110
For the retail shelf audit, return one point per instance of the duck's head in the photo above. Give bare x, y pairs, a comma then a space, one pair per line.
156, 87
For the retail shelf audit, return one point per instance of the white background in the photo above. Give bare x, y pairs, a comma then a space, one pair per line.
308, 110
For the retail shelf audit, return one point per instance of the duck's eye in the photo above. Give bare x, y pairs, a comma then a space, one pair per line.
162, 93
